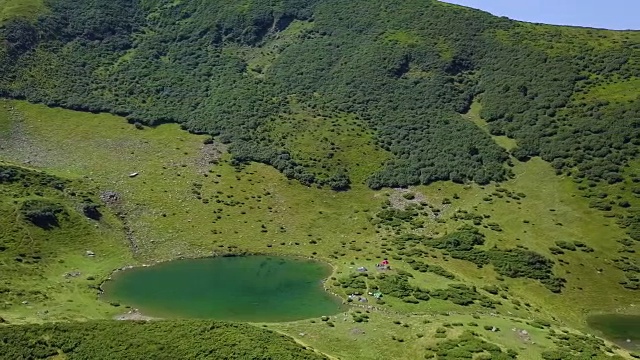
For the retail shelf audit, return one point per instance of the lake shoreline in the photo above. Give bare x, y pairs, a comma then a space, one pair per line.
286, 286
618, 328
135, 315
239, 254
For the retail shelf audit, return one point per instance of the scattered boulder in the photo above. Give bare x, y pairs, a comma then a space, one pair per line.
134, 315
91, 211
523, 335
72, 274
110, 197
42, 213
90, 253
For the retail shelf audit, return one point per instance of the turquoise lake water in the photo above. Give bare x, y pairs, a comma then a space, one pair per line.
623, 330
244, 288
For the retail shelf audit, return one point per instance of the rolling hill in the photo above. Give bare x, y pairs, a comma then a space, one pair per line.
494, 162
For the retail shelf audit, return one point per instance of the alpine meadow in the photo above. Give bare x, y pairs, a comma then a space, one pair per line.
470, 184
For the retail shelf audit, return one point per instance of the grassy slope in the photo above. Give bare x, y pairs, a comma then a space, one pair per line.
29, 9
556, 211
474, 115
623, 90
259, 59
568, 40
194, 339
375, 339
168, 220
326, 144
35, 261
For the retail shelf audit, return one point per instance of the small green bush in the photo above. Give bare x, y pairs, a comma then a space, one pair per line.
566, 245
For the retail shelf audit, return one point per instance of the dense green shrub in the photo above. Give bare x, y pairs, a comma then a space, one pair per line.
144, 60
354, 283
395, 285
600, 205
92, 211
491, 289
521, 263
556, 250
461, 245
514, 263
42, 213
148, 340
469, 345
461, 294
435, 269
566, 245
576, 346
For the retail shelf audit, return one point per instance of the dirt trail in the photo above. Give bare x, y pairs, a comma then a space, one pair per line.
302, 343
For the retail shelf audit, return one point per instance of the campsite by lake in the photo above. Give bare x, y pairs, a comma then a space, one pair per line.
239, 288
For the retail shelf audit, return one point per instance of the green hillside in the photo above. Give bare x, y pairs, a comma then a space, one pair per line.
150, 340
403, 69
493, 162
26, 9
48, 225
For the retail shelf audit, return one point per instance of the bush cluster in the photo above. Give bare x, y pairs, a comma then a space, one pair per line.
408, 78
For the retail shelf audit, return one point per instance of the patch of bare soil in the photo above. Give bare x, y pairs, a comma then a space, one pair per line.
399, 200
134, 315
523, 335
19, 147
209, 154
114, 201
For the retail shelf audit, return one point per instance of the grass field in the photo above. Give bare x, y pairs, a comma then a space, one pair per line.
188, 201
473, 115
29, 9
564, 39
404, 336
260, 59
47, 273
327, 145
620, 91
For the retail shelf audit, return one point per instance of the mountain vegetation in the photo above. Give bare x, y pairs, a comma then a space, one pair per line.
493, 163
187, 201
148, 340
405, 69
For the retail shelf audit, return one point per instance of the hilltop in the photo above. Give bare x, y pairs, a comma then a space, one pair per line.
493, 162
